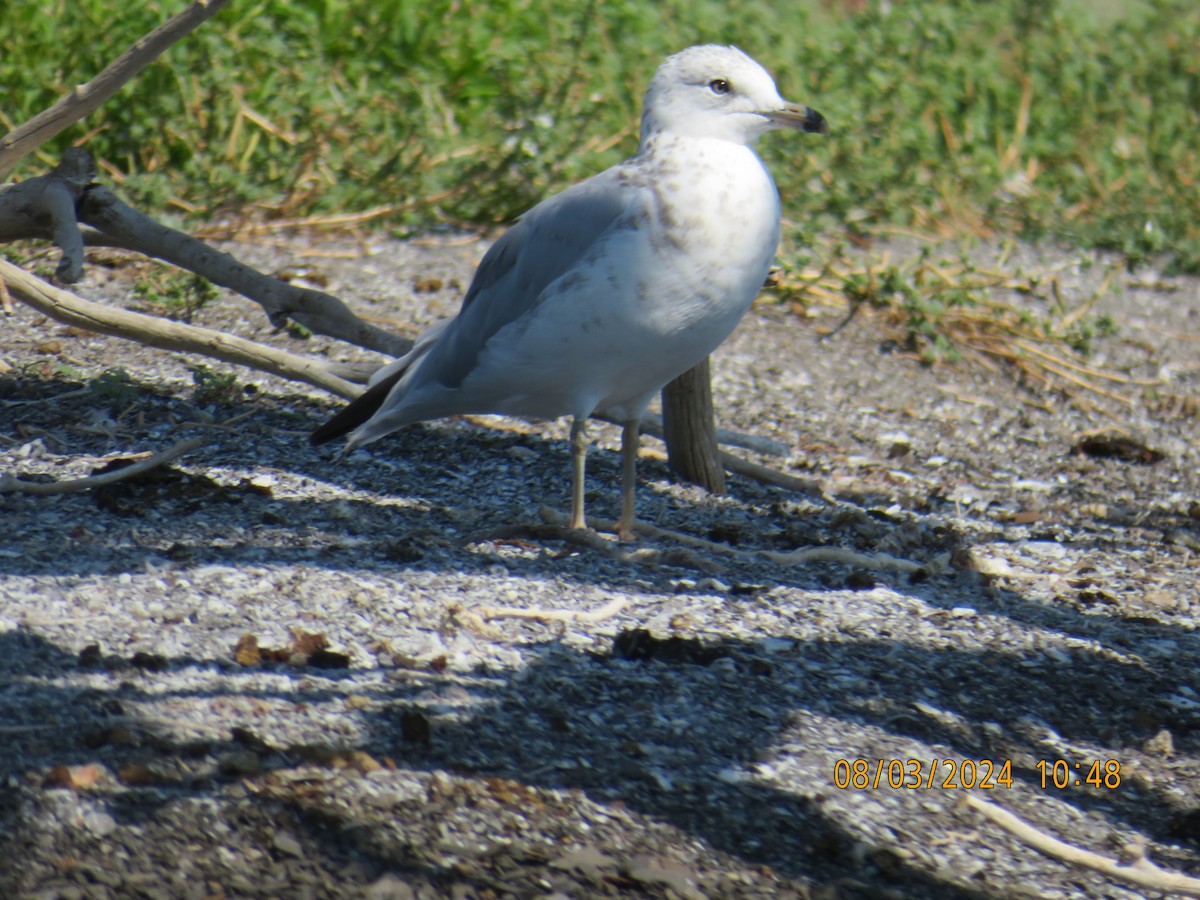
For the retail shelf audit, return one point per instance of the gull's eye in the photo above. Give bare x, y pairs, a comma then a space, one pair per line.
719, 86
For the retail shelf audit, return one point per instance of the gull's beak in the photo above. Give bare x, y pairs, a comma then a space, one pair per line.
801, 118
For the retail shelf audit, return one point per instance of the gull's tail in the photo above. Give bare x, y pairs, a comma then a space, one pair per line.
364, 407
359, 411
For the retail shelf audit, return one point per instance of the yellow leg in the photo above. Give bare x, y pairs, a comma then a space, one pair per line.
629, 453
579, 449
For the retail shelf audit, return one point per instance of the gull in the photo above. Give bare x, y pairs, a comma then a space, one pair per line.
603, 293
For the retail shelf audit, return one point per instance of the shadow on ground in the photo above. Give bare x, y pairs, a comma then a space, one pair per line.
667, 731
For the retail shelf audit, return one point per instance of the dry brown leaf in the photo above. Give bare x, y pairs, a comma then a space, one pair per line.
77, 778
247, 652
427, 285
307, 643
358, 760
140, 775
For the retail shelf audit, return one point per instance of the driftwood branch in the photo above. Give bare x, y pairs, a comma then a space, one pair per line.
1139, 870
44, 207
49, 206
165, 334
690, 431
10, 484
52, 205
86, 98
121, 225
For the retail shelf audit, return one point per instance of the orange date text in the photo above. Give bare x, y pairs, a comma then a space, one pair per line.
922, 774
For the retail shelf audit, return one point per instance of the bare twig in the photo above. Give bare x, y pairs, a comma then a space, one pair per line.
767, 475
553, 615
70, 309
10, 484
1139, 870
554, 528
477, 618
121, 225
339, 222
873, 561
652, 425
88, 97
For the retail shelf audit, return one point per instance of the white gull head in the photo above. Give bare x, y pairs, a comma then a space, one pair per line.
719, 92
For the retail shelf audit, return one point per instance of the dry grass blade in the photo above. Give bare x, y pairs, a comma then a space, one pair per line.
952, 309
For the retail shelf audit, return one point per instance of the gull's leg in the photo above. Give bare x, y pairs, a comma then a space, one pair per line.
579, 449
629, 452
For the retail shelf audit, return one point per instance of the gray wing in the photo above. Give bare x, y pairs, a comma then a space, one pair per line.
546, 243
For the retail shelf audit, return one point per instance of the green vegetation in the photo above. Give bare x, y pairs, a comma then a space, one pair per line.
115, 387
214, 387
174, 293
965, 118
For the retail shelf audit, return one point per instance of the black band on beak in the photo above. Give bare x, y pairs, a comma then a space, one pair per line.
814, 122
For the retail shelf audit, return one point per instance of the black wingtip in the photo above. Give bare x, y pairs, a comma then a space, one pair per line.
327, 432
357, 412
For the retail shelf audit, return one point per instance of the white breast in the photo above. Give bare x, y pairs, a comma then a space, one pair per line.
657, 295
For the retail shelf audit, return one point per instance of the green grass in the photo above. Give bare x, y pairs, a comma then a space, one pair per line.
963, 118
174, 293
115, 388
214, 387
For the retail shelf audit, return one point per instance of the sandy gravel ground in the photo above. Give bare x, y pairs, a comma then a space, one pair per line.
261, 673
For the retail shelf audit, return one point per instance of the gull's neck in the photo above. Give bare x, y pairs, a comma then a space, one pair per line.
661, 143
